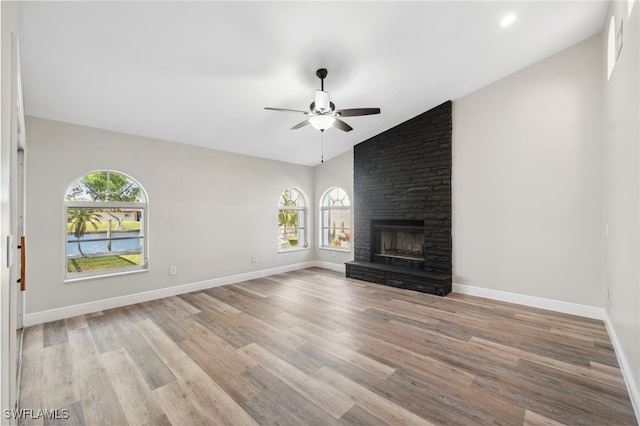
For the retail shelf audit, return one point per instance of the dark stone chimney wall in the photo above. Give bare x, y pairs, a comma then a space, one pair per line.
405, 174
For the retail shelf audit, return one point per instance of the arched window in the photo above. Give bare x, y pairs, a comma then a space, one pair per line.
291, 220
105, 219
335, 216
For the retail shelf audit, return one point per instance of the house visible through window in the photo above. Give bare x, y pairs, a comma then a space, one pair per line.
335, 219
291, 220
105, 231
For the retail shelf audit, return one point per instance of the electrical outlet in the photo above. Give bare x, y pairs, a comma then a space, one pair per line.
254, 258
173, 270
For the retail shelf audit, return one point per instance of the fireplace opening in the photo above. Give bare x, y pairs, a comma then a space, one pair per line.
398, 242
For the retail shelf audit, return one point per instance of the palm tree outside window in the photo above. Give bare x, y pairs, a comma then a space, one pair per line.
106, 232
291, 220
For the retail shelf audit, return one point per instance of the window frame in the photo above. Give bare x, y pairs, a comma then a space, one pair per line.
104, 205
302, 219
325, 208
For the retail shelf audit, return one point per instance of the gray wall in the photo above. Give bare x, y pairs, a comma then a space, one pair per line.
621, 210
527, 183
231, 202
337, 171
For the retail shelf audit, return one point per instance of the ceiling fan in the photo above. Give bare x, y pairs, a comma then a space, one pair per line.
323, 113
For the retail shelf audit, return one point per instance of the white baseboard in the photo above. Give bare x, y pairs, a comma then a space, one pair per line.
629, 379
116, 302
533, 301
337, 267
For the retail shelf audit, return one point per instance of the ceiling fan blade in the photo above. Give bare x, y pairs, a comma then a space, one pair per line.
339, 124
286, 110
301, 124
353, 112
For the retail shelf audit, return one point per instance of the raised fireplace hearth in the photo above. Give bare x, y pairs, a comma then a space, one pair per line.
402, 194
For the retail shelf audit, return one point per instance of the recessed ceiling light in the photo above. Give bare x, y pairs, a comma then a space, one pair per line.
508, 20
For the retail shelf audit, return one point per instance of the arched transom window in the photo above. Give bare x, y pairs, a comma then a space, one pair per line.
335, 216
105, 225
292, 209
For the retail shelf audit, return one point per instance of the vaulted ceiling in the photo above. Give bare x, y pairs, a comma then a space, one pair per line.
201, 73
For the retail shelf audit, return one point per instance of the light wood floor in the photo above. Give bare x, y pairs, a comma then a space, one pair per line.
312, 347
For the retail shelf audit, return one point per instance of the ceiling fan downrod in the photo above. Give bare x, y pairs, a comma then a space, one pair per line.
322, 74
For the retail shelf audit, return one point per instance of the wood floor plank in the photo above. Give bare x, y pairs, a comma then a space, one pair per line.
100, 402
31, 390
407, 360
327, 397
215, 344
179, 406
72, 415
578, 370
134, 313
361, 417
207, 301
166, 348
85, 353
106, 331
279, 403
207, 396
176, 307
457, 404
604, 404
313, 347
534, 419
58, 381
379, 406
54, 333
370, 365
146, 359
75, 323
222, 369
161, 420
136, 399
168, 324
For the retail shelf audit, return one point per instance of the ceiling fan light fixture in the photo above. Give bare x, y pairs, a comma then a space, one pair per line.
322, 122
322, 103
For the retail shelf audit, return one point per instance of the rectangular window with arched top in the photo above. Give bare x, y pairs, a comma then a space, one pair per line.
105, 225
335, 220
292, 209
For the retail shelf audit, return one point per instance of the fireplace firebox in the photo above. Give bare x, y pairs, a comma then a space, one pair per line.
398, 242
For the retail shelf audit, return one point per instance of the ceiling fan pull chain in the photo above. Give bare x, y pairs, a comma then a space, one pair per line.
321, 146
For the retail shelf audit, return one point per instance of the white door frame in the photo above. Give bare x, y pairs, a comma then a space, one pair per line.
9, 219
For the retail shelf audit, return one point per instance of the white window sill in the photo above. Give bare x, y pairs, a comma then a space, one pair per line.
293, 249
342, 249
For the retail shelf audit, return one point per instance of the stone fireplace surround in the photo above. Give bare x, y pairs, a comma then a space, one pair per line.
402, 187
